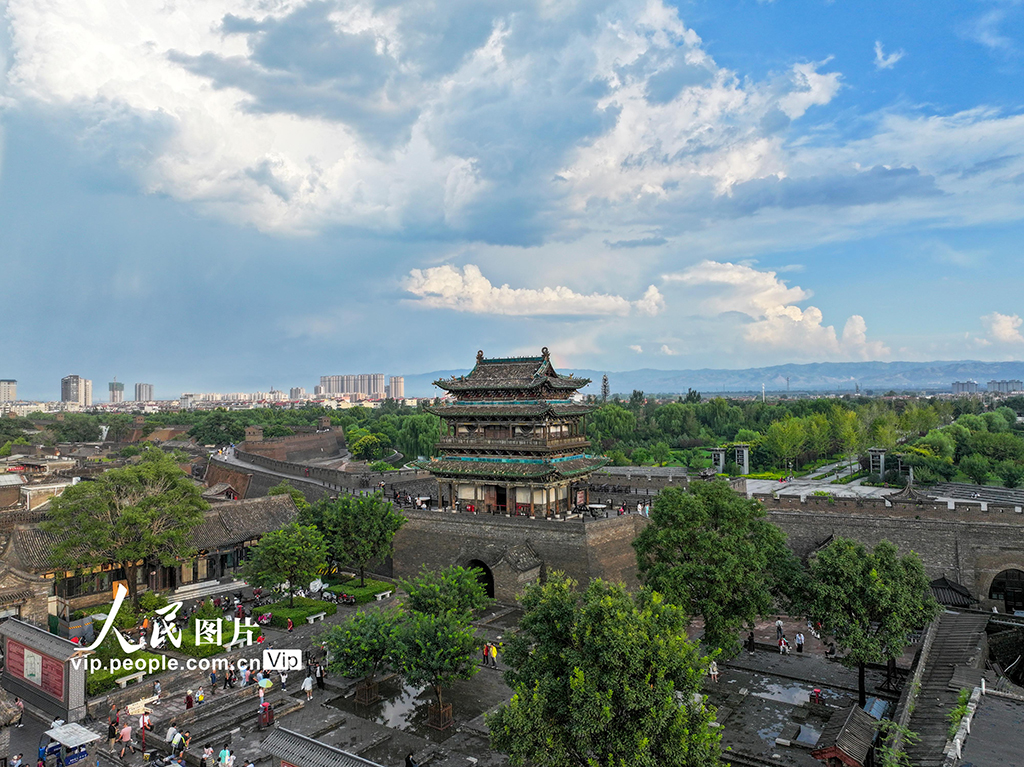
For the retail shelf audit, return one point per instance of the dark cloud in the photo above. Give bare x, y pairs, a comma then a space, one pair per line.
302, 64
646, 242
877, 185
984, 166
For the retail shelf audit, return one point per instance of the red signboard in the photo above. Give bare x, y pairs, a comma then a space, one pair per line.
35, 668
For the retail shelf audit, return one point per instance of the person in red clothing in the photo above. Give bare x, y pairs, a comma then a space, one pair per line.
290, 625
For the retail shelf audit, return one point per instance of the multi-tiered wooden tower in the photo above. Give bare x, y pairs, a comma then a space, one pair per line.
513, 440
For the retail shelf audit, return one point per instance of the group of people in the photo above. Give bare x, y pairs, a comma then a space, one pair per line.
18, 760
784, 648
490, 655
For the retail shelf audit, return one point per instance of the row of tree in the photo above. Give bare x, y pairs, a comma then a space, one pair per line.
715, 555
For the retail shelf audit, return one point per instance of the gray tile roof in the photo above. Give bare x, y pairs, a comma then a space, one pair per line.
303, 751
40, 639
850, 731
234, 522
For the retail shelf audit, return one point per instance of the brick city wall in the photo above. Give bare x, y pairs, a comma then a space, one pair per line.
595, 549
970, 551
337, 480
300, 447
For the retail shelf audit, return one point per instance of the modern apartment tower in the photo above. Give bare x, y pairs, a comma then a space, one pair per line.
368, 384
396, 387
8, 390
76, 389
143, 392
116, 389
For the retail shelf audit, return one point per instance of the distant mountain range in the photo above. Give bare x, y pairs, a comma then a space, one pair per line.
817, 377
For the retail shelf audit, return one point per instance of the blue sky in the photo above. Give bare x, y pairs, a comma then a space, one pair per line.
229, 195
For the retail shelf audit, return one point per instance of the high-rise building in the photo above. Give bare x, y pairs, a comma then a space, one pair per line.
1004, 387
965, 387
8, 390
396, 387
296, 392
76, 389
116, 389
143, 392
370, 384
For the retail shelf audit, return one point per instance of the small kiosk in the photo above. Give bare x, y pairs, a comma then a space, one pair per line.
65, 744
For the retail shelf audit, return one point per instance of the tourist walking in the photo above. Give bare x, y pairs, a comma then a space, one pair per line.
320, 674
307, 685
111, 734
157, 691
778, 628
222, 757
486, 650
284, 681
126, 740
494, 655
799, 642
713, 671
189, 700
290, 625
21, 710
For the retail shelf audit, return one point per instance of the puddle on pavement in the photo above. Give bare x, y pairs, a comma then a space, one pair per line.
808, 736
401, 707
794, 694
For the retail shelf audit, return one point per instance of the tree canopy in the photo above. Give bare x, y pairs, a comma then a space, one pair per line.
870, 601
295, 554
359, 530
138, 514
454, 590
437, 650
714, 554
602, 678
364, 644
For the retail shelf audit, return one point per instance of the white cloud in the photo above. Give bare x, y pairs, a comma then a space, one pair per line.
665, 349
467, 290
886, 62
773, 319
637, 348
1004, 328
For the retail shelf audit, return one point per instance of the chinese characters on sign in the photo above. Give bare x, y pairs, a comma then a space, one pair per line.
208, 632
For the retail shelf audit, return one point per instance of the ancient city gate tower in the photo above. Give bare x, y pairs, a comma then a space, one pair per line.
513, 441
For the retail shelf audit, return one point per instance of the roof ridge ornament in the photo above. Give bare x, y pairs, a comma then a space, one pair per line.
545, 354
480, 355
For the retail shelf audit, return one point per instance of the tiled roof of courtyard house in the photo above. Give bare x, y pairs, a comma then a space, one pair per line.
226, 524
233, 522
951, 594
512, 469
512, 373
847, 737
303, 751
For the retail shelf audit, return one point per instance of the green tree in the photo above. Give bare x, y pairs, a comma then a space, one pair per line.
295, 554
119, 425
284, 487
453, 590
368, 448
977, 467
819, 435
364, 644
714, 554
1011, 472
437, 650
603, 678
785, 439
869, 601
139, 514
218, 427
611, 421
6, 449
359, 530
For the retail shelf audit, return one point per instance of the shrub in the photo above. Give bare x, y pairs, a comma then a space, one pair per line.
362, 594
150, 602
302, 609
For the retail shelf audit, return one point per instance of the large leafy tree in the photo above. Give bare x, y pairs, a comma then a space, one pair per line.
453, 590
869, 601
284, 487
359, 531
715, 554
365, 644
602, 678
128, 516
437, 650
295, 554
785, 439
